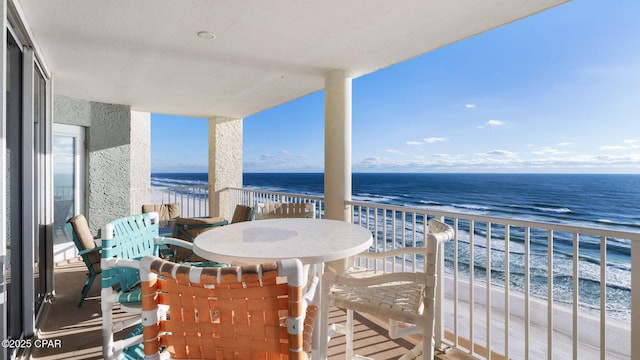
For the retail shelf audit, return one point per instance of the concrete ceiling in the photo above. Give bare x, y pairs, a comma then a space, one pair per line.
147, 54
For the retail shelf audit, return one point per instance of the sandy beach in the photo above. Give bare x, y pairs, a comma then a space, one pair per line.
618, 334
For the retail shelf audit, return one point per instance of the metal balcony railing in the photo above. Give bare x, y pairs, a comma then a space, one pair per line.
510, 288
525, 312
193, 200
256, 198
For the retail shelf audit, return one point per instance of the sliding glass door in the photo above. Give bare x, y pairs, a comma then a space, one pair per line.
26, 186
14, 190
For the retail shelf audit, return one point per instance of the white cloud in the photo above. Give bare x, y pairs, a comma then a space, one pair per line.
504, 161
495, 123
64, 140
629, 144
492, 122
612, 147
283, 160
432, 140
470, 106
565, 144
504, 153
548, 151
394, 151
278, 155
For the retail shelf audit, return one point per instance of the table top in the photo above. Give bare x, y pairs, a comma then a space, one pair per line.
313, 241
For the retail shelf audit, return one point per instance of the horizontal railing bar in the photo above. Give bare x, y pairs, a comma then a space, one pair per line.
267, 192
508, 221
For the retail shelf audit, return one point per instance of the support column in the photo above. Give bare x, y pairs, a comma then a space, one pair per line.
140, 159
337, 144
225, 162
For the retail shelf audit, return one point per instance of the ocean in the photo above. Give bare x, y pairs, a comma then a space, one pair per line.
596, 201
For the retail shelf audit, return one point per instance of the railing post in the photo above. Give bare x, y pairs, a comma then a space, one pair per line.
438, 332
635, 299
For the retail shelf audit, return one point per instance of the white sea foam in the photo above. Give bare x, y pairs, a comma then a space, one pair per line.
553, 210
471, 207
374, 198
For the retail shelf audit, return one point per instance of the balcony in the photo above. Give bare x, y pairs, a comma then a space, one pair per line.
524, 313
78, 330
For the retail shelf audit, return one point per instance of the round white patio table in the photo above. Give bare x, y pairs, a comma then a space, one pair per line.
312, 241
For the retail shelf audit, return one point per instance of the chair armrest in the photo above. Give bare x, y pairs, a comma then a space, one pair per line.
219, 219
382, 278
200, 226
310, 294
89, 251
113, 263
166, 222
162, 240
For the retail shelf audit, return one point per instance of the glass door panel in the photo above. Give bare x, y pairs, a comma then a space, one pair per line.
68, 186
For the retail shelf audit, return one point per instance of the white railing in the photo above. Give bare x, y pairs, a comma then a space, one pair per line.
193, 200
248, 197
524, 313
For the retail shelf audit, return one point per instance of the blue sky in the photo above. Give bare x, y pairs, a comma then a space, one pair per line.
558, 92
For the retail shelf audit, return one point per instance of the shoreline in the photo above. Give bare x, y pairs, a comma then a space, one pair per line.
618, 333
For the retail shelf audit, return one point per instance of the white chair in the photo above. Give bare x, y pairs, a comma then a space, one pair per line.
406, 297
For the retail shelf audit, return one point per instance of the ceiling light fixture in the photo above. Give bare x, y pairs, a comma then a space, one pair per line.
206, 35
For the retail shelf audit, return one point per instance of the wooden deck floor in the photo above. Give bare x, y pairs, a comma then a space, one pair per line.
79, 329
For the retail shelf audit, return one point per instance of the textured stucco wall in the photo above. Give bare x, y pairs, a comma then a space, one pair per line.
71, 111
109, 166
118, 154
225, 161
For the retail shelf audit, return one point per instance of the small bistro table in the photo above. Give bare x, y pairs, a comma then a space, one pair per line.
312, 241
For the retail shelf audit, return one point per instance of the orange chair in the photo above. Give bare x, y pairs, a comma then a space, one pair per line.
238, 312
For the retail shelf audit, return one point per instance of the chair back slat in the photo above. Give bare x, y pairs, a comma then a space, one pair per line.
242, 213
131, 237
